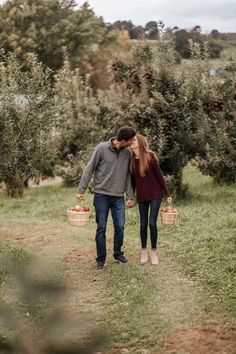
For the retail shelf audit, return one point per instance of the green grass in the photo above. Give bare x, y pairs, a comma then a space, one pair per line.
204, 237
49, 202
193, 286
203, 240
196, 275
227, 53
145, 304
10, 254
219, 64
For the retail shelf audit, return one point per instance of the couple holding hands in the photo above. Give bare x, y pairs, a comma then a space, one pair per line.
113, 163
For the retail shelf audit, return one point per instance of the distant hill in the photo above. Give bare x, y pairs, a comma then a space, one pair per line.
216, 40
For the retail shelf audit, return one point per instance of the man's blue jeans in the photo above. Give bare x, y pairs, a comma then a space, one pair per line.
154, 206
103, 203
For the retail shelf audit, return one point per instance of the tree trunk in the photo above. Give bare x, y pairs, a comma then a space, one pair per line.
15, 186
178, 180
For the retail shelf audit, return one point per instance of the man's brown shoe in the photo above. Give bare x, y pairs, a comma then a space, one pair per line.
121, 259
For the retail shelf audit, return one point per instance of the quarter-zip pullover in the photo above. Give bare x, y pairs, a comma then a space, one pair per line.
110, 168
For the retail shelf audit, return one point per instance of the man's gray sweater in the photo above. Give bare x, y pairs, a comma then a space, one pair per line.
111, 171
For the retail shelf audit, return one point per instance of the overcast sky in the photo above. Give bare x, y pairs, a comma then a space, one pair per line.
209, 14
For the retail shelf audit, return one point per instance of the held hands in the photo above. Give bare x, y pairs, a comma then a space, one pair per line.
129, 203
169, 200
80, 196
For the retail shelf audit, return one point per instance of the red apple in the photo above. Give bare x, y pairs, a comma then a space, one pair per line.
86, 208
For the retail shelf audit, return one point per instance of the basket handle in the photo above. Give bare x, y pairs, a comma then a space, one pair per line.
169, 204
82, 202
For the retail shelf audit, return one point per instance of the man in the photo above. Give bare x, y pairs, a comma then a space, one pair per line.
110, 165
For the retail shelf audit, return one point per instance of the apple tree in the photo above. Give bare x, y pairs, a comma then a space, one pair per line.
25, 120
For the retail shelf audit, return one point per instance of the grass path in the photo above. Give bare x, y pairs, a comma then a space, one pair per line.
142, 309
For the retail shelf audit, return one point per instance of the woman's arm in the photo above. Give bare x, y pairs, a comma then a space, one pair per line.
160, 177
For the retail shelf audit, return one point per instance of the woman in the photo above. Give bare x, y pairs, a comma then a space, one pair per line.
150, 188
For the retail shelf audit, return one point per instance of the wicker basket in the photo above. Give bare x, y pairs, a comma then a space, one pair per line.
78, 218
168, 217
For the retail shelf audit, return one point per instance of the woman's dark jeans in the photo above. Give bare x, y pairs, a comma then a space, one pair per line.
103, 203
150, 220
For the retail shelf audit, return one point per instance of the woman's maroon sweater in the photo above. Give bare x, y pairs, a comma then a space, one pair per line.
152, 185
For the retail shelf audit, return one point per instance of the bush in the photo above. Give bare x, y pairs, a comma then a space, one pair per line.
72, 170
219, 156
75, 110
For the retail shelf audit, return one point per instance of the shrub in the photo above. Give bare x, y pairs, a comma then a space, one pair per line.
160, 102
71, 171
218, 159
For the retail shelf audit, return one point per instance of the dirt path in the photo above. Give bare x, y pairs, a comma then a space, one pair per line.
176, 305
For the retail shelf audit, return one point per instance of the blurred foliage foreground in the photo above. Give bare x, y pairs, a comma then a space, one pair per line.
34, 319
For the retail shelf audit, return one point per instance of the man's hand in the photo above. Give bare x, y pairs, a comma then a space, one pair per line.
169, 200
80, 196
130, 203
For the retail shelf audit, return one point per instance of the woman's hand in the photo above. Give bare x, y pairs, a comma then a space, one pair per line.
129, 203
169, 200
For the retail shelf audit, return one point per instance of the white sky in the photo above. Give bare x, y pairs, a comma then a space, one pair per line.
209, 14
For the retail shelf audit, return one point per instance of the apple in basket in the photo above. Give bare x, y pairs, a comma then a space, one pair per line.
80, 208
85, 208
169, 210
75, 208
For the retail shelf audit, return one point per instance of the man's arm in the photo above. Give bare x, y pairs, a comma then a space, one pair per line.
88, 172
129, 191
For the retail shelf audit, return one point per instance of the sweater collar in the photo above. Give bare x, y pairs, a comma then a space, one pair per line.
112, 146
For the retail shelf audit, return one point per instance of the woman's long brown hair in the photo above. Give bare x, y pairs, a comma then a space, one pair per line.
145, 155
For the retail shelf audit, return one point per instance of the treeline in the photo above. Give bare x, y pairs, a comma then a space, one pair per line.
181, 37
151, 30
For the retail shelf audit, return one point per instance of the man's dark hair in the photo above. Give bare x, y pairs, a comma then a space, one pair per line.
125, 133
